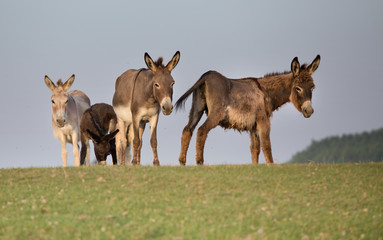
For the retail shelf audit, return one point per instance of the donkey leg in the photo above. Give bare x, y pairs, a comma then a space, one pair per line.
112, 144
185, 141
196, 112
263, 128
128, 149
254, 146
87, 159
201, 138
140, 133
64, 153
137, 141
76, 151
118, 146
121, 141
112, 128
153, 139
186, 136
85, 150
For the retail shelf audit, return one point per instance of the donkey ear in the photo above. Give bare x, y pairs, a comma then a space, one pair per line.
173, 63
94, 137
68, 83
49, 83
149, 62
295, 67
110, 136
314, 65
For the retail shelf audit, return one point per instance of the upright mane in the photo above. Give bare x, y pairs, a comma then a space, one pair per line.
59, 82
276, 74
159, 62
304, 66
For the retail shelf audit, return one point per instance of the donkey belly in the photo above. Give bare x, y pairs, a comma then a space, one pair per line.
124, 113
65, 134
238, 119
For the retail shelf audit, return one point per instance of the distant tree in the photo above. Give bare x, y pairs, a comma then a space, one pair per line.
363, 147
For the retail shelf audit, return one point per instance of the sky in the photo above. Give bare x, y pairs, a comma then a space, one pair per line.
99, 40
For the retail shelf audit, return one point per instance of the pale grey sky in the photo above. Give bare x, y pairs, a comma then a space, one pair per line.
99, 40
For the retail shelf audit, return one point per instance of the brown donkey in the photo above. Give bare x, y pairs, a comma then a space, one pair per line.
67, 110
245, 105
138, 98
95, 124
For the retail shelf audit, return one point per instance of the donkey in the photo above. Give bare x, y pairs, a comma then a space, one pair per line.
245, 105
138, 98
67, 110
95, 124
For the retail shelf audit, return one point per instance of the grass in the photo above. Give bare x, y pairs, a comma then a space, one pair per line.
290, 201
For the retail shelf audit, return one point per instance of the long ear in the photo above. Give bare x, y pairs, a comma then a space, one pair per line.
314, 65
110, 136
295, 66
68, 83
49, 83
149, 62
173, 63
94, 137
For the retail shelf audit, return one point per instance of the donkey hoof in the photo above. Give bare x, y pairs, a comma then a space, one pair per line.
156, 162
182, 162
199, 162
134, 162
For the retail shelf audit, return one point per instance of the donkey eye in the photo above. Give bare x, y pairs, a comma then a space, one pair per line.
171, 85
66, 101
298, 89
157, 85
53, 102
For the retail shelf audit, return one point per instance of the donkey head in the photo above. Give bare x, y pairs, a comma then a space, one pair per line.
303, 85
59, 99
102, 144
163, 81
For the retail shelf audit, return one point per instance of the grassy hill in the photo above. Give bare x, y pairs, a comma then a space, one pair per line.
288, 201
364, 147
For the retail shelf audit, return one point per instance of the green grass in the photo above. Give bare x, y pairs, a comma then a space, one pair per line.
292, 201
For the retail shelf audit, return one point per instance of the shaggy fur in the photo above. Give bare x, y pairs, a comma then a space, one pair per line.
245, 105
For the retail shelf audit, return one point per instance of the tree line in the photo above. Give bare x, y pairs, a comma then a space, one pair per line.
362, 147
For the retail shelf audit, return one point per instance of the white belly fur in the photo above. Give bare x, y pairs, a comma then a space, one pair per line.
64, 133
145, 114
124, 113
240, 119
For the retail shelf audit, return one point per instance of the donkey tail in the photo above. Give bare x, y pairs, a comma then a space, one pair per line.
181, 101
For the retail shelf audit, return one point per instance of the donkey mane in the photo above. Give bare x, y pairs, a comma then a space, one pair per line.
272, 74
96, 122
159, 63
60, 82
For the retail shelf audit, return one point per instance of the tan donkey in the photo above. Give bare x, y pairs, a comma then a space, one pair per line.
67, 110
139, 97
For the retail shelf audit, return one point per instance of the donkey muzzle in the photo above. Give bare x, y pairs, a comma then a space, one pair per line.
307, 109
60, 122
166, 106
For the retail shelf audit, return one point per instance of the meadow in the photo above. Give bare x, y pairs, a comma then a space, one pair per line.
285, 201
